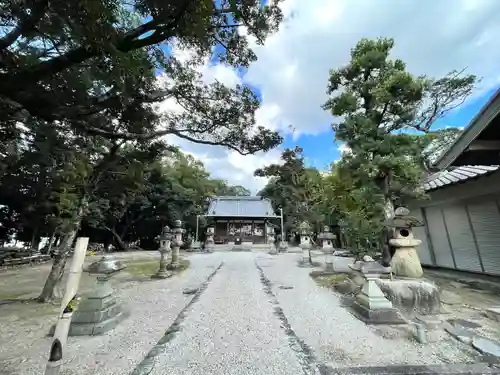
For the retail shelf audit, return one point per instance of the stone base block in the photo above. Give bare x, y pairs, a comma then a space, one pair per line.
173, 266
162, 275
96, 304
378, 316
96, 329
412, 296
95, 316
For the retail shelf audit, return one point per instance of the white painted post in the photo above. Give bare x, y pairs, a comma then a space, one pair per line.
66, 311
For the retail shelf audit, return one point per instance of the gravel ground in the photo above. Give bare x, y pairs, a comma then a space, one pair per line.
338, 338
154, 305
259, 314
232, 329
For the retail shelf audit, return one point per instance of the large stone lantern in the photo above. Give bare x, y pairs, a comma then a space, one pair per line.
326, 237
305, 239
99, 312
164, 250
176, 245
405, 261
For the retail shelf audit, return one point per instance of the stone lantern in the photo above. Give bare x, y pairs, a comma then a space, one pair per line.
164, 250
305, 239
176, 244
327, 239
98, 312
209, 241
271, 239
405, 261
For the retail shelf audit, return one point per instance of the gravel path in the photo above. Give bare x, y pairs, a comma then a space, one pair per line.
154, 305
338, 338
232, 329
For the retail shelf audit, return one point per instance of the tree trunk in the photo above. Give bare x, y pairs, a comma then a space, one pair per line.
35, 239
118, 239
52, 288
52, 241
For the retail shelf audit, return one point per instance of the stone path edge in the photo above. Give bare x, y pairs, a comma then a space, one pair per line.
147, 364
305, 354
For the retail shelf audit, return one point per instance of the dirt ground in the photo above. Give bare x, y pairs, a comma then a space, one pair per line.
19, 286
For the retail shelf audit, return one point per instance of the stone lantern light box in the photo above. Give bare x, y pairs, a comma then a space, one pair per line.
405, 261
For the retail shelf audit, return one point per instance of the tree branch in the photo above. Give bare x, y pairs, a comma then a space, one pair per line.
25, 24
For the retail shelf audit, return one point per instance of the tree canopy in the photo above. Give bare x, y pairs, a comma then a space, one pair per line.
93, 68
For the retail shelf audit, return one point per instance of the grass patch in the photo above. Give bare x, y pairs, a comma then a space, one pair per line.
13, 295
328, 281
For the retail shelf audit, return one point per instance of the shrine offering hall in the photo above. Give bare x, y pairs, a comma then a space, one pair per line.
241, 217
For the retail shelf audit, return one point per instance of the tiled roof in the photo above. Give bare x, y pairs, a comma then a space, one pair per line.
242, 206
456, 175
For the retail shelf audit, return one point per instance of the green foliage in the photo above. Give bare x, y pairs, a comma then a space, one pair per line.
91, 68
385, 115
294, 188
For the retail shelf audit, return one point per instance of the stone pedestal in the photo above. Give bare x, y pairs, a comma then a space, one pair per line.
271, 240
209, 241
176, 244
283, 247
370, 304
98, 312
195, 246
326, 238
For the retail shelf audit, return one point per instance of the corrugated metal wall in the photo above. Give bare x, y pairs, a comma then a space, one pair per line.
463, 235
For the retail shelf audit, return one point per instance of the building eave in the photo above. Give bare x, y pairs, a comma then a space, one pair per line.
475, 127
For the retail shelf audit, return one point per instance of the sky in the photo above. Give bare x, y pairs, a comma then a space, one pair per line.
291, 73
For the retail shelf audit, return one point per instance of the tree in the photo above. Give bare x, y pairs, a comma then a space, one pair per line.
381, 110
294, 188
92, 68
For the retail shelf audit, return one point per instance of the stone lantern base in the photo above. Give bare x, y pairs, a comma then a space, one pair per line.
370, 304
97, 313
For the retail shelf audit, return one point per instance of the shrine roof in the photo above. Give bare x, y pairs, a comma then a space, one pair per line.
456, 175
240, 206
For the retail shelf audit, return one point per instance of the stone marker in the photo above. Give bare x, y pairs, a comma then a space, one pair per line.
405, 261
370, 304
209, 241
164, 250
327, 239
176, 245
271, 240
98, 311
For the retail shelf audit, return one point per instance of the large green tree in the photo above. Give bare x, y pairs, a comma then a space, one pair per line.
92, 68
386, 115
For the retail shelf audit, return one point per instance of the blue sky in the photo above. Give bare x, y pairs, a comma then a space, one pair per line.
320, 150
291, 72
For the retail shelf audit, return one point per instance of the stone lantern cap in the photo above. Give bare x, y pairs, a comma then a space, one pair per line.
106, 266
304, 228
166, 234
326, 234
402, 219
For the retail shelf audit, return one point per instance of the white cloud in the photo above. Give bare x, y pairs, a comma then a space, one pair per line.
433, 37
344, 149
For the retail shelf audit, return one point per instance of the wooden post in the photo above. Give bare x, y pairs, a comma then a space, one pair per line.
67, 306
